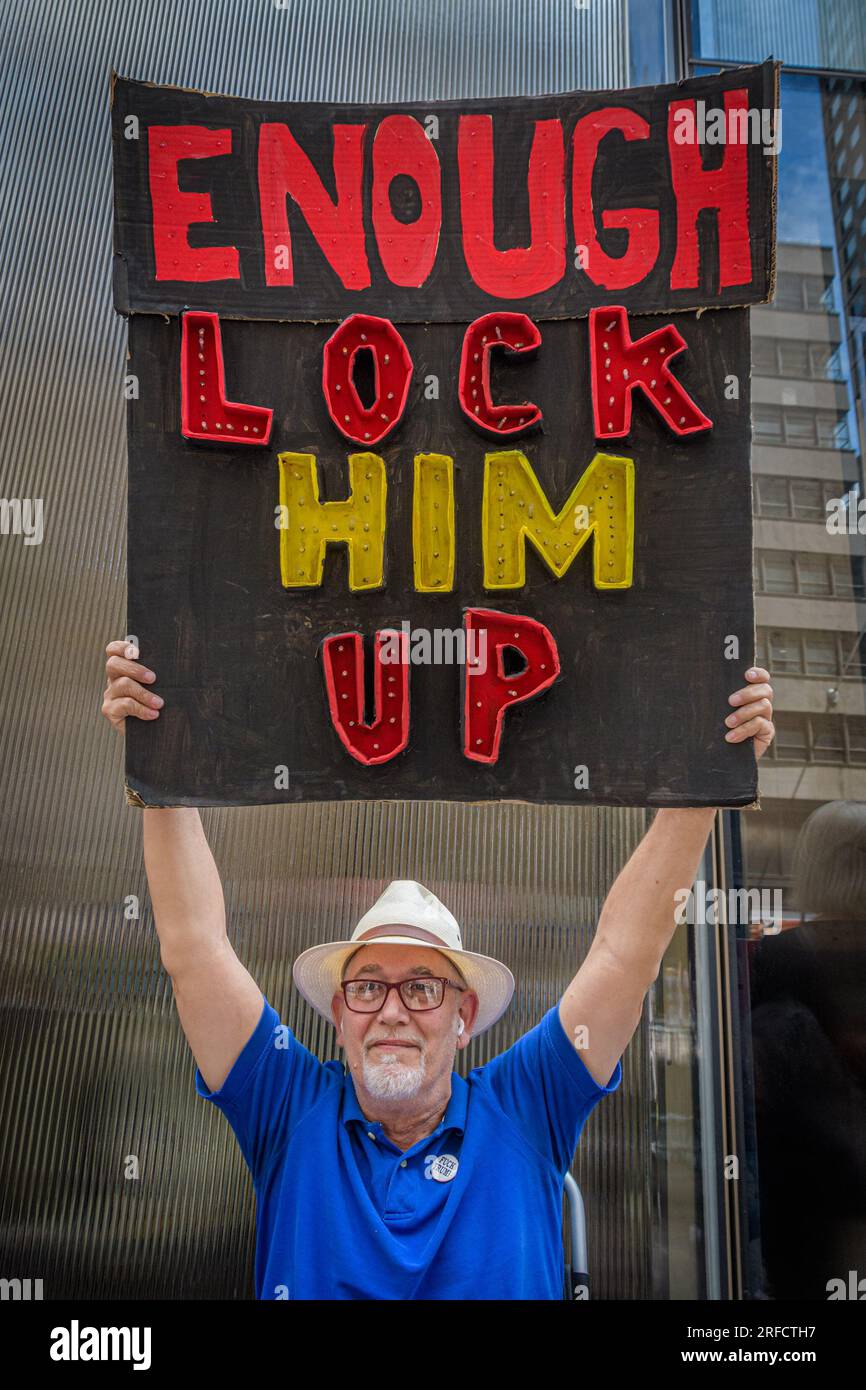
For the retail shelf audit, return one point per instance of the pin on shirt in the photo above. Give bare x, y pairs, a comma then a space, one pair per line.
441, 1167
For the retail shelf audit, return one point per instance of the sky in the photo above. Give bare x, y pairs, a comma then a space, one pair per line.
804, 192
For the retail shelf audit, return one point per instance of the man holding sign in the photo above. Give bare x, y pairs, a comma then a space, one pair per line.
398, 1179
428, 372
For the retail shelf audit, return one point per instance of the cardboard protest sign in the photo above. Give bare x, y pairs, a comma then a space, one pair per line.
439, 476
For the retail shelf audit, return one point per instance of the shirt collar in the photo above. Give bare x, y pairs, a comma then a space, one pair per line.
455, 1114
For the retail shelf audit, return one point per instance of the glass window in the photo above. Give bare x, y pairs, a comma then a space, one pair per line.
814, 577
785, 652
807, 495
778, 573
832, 432
789, 291
821, 655
844, 579
856, 726
767, 424
807, 652
800, 427
791, 740
765, 360
773, 497
794, 359
826, 362
828, 739
815, 288
853, 656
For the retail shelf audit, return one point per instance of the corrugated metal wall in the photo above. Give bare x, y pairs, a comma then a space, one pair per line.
94, 1065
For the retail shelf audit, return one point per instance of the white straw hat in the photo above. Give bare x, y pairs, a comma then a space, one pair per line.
407, 913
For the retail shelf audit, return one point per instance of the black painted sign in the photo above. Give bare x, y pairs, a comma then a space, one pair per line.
439, 483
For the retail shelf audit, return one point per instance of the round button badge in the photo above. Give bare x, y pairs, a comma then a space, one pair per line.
443, 1167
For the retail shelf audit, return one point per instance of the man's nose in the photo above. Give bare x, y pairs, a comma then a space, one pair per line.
394, 1010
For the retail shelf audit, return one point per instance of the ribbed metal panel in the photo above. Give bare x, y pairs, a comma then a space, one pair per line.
94, 1065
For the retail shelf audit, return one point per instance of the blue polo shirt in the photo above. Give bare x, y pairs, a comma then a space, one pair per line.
474, 1211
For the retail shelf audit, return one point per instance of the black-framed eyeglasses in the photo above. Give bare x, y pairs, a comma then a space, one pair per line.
420, 993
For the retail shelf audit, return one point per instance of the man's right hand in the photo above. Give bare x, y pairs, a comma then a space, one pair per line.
124, 694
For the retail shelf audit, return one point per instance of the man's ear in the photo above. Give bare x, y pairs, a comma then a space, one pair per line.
470, 1004
337, 1005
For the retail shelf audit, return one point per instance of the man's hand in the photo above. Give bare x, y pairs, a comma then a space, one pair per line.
753, 717
124, 694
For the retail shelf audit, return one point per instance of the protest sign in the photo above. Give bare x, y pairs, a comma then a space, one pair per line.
439, 435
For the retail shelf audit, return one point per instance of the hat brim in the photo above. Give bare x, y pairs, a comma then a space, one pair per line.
317, 973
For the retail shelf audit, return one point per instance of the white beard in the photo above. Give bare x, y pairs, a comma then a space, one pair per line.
392, 1079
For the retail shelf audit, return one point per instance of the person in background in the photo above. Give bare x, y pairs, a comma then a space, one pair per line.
808, 1000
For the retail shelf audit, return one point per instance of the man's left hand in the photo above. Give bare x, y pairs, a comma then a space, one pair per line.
753, 713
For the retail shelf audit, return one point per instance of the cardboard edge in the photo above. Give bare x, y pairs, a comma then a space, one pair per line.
119, 268
774, 74
470, 103
120, 285
233, 96
132, 796
135, 798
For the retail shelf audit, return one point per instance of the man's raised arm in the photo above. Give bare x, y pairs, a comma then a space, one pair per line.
601, 1008
637, 921
218, 1001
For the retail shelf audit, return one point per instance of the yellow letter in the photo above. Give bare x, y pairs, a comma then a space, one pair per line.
433, 523
515, 507
311, 524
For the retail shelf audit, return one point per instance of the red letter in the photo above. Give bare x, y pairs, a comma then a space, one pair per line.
175, 212
500, 329
204, 411
388, 735
523, 270
726, 189
618, 365
407, 249
284, 170
642, 224
487, 693
393, 372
